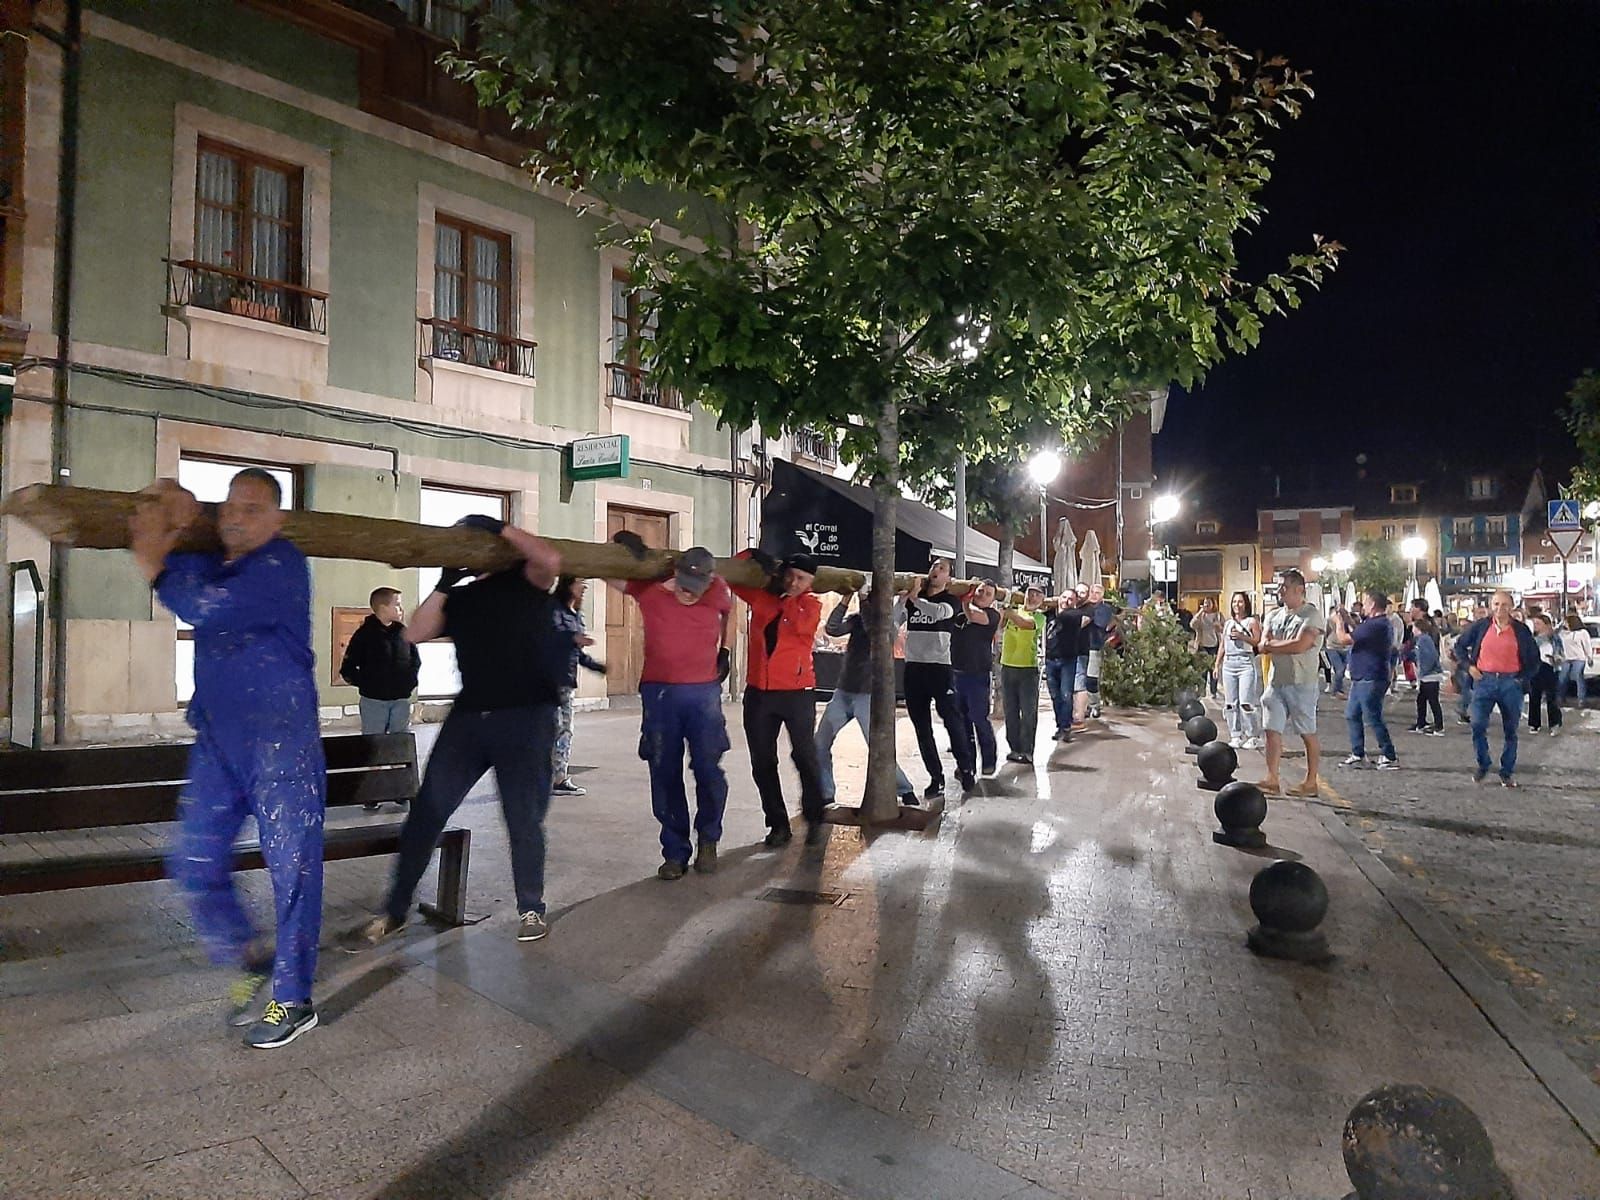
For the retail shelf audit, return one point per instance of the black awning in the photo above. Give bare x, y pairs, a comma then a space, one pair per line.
832, 519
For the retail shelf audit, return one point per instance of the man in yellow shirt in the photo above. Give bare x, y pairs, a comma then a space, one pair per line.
1022, 634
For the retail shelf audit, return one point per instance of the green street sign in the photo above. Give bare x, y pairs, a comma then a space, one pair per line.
598, 457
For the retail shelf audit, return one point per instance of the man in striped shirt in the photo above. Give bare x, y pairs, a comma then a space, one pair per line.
930, 683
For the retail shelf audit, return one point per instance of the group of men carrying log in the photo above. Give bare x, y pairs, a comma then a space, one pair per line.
258, 754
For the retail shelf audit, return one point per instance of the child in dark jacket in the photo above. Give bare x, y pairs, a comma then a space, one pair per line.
383, 665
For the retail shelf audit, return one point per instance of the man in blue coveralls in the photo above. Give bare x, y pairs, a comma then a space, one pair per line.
257, 750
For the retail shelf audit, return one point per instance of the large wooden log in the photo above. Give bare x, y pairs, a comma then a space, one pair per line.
95, 519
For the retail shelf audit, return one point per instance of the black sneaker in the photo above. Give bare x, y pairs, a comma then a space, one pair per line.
936, 788
567, 788
1016, 758
1463, 719
671, 869
989, 769
778, 837
242, 997
909, 800
369, 933
816, 833
966, 780
280, 1024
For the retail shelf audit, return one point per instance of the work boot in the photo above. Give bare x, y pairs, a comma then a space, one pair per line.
705, 860
816, 833
671, 869
778, 837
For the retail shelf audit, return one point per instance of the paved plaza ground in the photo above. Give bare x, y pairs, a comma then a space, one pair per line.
1045, 995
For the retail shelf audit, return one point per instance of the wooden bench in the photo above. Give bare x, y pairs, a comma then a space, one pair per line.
105, 787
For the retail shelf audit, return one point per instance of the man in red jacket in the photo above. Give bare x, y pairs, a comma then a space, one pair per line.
780, 691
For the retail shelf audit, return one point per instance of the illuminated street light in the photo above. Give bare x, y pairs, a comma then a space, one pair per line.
1319, 564
1343, 560
1413, 548
1044, 466
1592, 510
1164, 508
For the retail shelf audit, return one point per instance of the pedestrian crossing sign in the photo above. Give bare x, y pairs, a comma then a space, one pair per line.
1561, 514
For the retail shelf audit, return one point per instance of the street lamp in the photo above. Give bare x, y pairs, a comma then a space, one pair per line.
1043, 468
1343, 560
1319, 564
1163, 509
1414, 548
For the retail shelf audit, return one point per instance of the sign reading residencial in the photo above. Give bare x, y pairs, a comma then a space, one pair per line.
1561, 514
598, 457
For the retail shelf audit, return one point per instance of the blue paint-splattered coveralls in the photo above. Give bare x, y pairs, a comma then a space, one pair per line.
257, 752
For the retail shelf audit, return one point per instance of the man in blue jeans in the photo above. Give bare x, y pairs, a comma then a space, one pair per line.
1501, 657
1371, 658
513, 663
852, 695
1064, 669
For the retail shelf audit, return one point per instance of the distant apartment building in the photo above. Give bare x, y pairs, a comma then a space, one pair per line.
1292, 535
1215, 560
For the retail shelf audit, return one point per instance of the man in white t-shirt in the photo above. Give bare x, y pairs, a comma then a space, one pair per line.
1291, 635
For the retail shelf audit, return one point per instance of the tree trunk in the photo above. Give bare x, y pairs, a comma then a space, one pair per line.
1008, 550
880, 804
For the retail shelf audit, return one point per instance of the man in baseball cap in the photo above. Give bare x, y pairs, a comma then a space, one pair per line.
697, 567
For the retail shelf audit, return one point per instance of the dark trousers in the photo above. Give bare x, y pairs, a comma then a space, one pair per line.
766, 714
516, 743
678, 715
972, 705
929, 687
1019, 689
1544, 686
1428, 697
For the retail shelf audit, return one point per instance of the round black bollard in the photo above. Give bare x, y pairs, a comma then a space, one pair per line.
1199, 731
1290, 900
1189, 709
1404, 1140
1240, 809
1217, 762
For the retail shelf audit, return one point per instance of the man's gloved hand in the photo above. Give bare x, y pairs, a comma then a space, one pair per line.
488, 524
599, 668
724, 664
632, 541
451, 576
765, 561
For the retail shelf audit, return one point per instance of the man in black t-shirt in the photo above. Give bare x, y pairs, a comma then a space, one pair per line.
1065, 668
512, 660
972, 657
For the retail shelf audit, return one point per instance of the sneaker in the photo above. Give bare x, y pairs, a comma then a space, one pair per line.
778, 837
1479, 776
1016, 758
242, 997
671, 869
1554, 729
280, 1024
1463, 719
1385, 763
567, 788
705, 859
370, 807
1533, 729
1417, 729
936, 788
909, 800
1509, 781
531, 927
1094, 712
1353, 760
966, 780
1439, 732
369, 933
816, 833
989, 769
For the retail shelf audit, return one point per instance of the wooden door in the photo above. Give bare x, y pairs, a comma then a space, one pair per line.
624, 630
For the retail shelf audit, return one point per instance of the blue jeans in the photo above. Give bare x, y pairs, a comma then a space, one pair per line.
516, 743
678, 715
841, 709
385, 716
1572, 672
1061, 674
1464, 684
1506, 691
1337, 660
972, 704
1366, 700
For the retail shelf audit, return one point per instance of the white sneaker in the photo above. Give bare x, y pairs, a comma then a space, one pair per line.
531, 927
1354, 760
1385, 763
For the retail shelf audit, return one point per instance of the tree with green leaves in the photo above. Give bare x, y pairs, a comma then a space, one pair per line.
1379, 565
1153, 664
1583, 419
948, 221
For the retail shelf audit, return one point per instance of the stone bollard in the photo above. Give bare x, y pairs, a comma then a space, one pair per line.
1404, 1140
1290, 900
1199, 731
1217, 762
1189, 709
1240, 809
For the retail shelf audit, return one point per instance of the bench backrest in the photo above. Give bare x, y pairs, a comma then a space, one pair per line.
91, 787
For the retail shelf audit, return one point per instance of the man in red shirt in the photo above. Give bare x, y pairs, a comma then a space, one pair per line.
780, 692
686, 658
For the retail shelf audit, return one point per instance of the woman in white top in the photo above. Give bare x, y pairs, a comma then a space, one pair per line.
1577, 648
1240, 670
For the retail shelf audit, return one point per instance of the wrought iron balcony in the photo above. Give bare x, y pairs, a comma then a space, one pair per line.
631, 383
191, 283
815, 444
451, 341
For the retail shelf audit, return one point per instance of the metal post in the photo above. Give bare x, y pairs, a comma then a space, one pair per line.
961, 517
1044, 520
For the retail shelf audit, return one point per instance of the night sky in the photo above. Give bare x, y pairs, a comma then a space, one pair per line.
1452, 147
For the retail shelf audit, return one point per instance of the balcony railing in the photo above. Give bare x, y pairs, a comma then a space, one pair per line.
816, 444
221, 289
631, 383
1481, 542
1284, 541
450, 341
